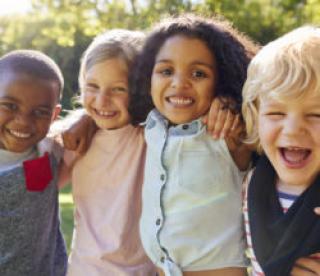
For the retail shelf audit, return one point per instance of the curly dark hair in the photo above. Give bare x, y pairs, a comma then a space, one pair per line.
231, 49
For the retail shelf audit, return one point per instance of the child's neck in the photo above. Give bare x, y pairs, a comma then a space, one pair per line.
171, 124
289, 188
115, 128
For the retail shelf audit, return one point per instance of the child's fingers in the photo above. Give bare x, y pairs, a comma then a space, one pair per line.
82, 145
228, 123
233, 125
205, 119
316, 256
238, 129
299, 271
306, 266
317, 210
213, 114
236, 122
84, 142
78, 137
219, 123
220, 120
69, 142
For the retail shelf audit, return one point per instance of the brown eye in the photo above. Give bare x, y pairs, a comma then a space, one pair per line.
119, 89
199, 74
42, 113
166, 72
9, 106
314, 115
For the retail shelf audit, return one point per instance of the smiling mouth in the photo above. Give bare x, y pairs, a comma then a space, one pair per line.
19, 134
294, 156
179, 101
106, 114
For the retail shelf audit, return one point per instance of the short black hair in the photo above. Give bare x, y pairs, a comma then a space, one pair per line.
231, 49
33, 63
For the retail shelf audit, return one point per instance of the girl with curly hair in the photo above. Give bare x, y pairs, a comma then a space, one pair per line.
191, 222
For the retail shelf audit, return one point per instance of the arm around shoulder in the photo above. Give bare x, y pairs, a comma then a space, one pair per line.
66, 166
241, 153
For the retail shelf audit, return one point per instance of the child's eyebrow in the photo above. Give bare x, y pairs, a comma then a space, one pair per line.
196, 62
44, 106
163, 61
272, 105
9, 98
210, 66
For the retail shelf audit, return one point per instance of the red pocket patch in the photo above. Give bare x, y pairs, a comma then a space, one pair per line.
37, 173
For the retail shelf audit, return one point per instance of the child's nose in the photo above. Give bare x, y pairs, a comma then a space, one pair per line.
24, 120
293, 126
103, 99
179, 81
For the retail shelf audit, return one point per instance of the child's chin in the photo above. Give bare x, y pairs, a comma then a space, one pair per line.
179, 120
108, 126
19, 149
296, 179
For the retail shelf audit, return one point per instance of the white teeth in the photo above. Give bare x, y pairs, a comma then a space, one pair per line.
294, 148
106, 113
180, 100
19, 134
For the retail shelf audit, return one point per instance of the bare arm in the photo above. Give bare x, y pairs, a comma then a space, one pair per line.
66, 166
240, 152
79, 135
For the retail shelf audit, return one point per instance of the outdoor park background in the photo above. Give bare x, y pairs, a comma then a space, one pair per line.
64, 28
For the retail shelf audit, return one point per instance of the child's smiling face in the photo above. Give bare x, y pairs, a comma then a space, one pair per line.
289, 135
27, 107
183, 79
105, 93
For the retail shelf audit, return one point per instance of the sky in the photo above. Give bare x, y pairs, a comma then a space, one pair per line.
8, 7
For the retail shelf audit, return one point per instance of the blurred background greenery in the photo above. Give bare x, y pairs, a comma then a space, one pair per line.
66, 214
64, 28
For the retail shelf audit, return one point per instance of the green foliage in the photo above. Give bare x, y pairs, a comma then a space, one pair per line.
64, 28
264, 20
66, 214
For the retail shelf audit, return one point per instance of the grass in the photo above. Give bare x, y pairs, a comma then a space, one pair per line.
66, 214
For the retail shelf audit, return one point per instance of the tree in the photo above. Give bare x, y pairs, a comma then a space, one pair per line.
64, 28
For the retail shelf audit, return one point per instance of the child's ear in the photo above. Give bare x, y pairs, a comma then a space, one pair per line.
56, 112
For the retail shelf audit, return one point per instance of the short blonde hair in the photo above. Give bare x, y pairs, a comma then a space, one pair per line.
284, 69
117, 43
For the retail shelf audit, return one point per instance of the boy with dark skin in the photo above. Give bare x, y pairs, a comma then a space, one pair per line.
31, 242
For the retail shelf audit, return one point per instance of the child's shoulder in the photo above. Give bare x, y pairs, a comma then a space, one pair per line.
51, 146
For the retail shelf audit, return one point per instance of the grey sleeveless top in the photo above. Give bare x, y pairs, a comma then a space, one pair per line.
31, 242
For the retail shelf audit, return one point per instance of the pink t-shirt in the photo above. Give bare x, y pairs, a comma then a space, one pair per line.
106, 187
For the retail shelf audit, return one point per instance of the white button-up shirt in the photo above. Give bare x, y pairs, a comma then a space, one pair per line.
191, 216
